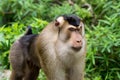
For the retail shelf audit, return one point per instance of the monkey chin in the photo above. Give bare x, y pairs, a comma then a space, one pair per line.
76, 48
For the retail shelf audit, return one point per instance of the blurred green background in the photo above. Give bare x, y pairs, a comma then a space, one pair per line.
102, 25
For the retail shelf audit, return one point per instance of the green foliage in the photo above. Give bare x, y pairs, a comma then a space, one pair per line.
41, 76
14, 10
7, 37
11, 33
103, 52
20, 10
60, 10
103, 44
102, 30
83, 13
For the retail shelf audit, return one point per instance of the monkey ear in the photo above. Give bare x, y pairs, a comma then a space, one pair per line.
59, 21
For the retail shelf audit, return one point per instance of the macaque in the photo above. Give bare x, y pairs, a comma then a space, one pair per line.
59, 50
22, 58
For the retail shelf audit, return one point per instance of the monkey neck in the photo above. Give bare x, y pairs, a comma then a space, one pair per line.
64, 54
67, 55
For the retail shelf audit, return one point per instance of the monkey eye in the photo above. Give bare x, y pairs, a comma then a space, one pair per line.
71, 29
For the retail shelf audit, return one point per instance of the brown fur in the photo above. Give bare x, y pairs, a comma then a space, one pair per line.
59, 51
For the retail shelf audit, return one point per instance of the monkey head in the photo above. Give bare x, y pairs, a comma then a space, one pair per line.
71, 31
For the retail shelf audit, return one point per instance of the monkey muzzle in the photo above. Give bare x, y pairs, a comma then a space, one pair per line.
77, 45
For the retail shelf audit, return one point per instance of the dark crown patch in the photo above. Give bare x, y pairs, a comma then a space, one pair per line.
72, 19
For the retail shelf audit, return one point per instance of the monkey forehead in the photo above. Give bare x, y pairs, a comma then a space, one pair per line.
72, 20
71, 26
80, 25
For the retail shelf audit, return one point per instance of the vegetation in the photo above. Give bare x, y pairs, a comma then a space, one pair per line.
102, 23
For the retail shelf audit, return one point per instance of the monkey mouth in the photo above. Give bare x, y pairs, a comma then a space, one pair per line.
76, 48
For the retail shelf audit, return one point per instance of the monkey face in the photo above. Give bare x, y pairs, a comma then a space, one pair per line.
71, 31
75, 38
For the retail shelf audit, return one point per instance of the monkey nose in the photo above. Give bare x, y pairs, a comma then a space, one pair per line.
78, 41
79, 44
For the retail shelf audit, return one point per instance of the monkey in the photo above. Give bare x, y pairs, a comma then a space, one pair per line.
60, 50
22, 59
62, 55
